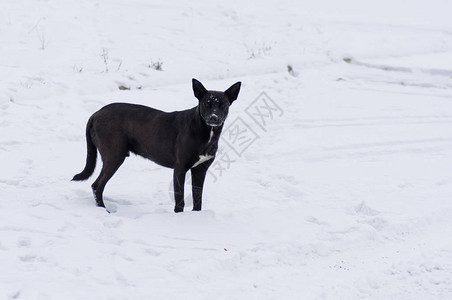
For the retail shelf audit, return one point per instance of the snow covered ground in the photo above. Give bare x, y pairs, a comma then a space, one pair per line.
344, 193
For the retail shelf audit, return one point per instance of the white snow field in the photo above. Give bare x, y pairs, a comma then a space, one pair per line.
336, 183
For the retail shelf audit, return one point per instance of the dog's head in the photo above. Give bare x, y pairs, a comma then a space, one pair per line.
214, 105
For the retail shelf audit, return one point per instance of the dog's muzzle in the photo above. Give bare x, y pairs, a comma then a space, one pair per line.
214, 120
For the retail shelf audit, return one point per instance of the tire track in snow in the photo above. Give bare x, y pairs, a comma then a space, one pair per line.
373, 121
362, 150
430, 71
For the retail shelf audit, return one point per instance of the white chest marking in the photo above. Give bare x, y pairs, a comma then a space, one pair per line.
211, 135
202, 158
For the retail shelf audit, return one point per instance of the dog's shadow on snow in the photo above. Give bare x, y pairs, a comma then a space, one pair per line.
119, 206
135, 209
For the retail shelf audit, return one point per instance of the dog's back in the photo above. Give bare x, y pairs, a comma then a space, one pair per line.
136, 128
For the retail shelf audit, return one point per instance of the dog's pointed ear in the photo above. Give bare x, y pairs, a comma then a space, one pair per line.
198, 89
233, 91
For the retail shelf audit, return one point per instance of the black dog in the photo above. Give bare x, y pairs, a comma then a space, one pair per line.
181, 140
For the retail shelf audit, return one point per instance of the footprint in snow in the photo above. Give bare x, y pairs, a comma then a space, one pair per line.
24, 242
363, 209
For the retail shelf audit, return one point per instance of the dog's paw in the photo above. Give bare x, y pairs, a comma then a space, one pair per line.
178, 209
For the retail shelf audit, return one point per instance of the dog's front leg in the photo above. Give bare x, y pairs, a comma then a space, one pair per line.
198, 174
179, 181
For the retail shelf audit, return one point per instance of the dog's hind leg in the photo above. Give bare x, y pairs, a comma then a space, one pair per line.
111, 165
179, 181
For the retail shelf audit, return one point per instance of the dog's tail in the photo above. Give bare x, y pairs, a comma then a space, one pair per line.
91, 156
